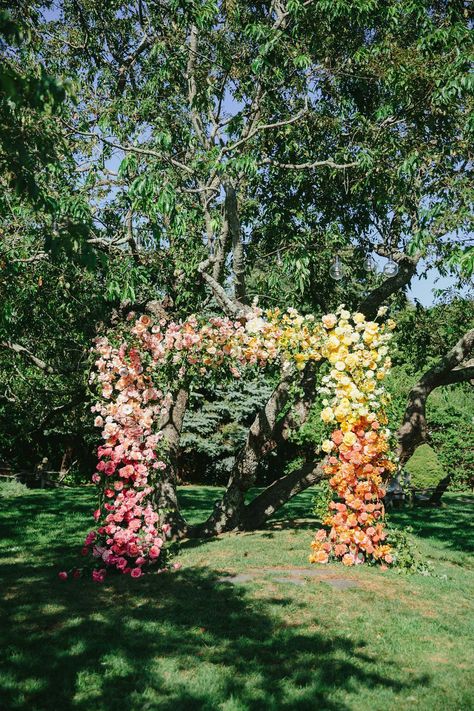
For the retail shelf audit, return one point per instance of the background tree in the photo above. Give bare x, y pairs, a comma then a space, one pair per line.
227, 150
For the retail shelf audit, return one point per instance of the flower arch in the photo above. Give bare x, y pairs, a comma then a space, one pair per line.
137, 372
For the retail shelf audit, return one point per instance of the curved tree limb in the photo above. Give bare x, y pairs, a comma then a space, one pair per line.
38, 362
232, 307
374, 299
452, 368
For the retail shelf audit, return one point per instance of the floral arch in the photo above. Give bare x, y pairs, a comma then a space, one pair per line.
140, 368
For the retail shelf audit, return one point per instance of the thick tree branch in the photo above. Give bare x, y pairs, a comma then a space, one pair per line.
21, 350
232, 307
374, 299
238, 258
259, 510
449, 370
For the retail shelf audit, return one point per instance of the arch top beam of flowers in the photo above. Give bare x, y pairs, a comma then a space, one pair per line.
139, 369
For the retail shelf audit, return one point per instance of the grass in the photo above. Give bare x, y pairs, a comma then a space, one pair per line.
189, 641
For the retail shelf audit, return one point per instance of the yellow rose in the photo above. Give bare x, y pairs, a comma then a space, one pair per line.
358, 318
349, 439
329, 321
327, 415
351, 361
327, 446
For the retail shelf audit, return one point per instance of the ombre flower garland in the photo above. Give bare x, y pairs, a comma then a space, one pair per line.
358, 448
137, 373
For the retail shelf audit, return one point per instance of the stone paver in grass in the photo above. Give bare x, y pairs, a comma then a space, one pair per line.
294, 576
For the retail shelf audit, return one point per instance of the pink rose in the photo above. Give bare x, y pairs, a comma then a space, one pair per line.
97, 514
90, 538
109, 468
136, 572
62, 575
98, 576
132, 549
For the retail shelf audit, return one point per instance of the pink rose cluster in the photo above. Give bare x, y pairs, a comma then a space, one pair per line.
130, 537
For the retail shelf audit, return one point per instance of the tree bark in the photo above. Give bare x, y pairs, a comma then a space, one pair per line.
374, 299
441, 488
258, 511
450, 369
238, 257
166, 497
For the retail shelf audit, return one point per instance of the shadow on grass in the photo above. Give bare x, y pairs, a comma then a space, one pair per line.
167, 642
452, 523
181, 642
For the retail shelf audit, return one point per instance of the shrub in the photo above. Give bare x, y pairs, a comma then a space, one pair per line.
424, 467
12, 488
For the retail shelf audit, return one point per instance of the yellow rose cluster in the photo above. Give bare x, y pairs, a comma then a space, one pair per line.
356, 350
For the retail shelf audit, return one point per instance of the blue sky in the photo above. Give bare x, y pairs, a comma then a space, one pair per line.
422, 289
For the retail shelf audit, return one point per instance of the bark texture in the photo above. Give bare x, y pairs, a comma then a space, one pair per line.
453, 368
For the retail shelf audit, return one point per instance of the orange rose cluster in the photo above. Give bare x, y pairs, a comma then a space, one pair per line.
356, 534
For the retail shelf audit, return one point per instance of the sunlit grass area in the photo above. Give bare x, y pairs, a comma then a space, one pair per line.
192, 640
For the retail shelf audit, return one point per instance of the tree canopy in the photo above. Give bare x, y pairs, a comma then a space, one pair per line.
204, 154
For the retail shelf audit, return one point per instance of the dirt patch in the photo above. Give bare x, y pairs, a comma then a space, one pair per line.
292, 576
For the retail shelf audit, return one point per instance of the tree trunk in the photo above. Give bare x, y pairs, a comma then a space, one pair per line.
266, 433
228, 512
238, 257
258, 511
166, 497
450, 369
441, 488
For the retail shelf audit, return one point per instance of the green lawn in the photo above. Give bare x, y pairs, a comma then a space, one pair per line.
187, 640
